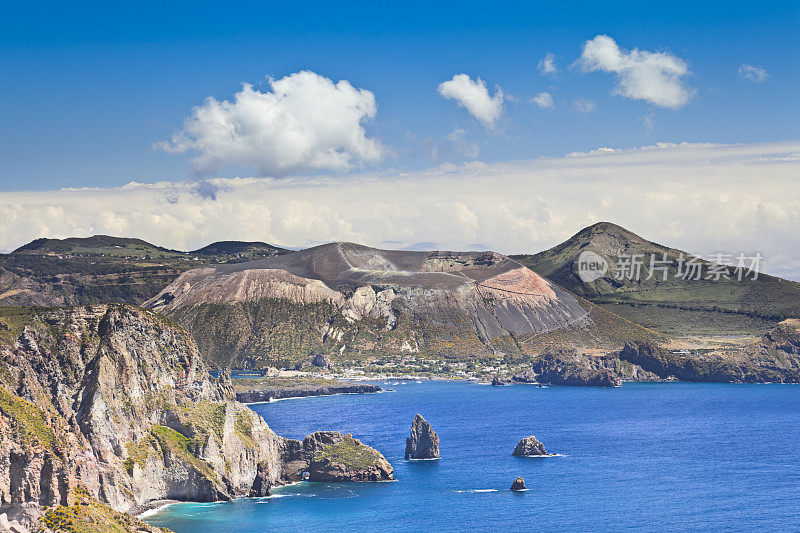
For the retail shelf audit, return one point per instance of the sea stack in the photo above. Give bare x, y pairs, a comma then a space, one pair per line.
423, 442
519, 484
529, 446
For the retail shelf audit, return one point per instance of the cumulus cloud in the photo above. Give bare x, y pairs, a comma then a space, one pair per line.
547, 65
698, 197
544, 99
752, 73
655, 77
583, 106
306, 122
473, 96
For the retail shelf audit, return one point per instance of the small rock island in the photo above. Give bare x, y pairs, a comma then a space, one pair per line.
423, 442
332, 457
519, 484
529, 446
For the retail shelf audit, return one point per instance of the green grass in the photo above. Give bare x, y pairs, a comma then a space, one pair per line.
30, 422
243, 427
348, 453
185, 448
204, 417
137, 453
87, 515
13, 320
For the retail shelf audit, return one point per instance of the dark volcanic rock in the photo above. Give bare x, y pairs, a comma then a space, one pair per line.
497, 382
529, 446
261, 483
567, 367
321, 361
424, 442
519, 484
267, 393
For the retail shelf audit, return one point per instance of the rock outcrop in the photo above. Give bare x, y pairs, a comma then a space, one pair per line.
568, 367
251, 391
117, 401
775, 359
529, 446
519, 484
321, 361
423, 442
331, 456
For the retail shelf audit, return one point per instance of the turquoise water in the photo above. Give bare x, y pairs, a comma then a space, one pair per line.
643, 456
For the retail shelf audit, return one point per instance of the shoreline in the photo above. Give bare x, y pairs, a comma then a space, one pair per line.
151, 508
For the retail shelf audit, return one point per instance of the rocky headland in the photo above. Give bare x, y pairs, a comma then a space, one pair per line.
265, 389
116, 401
568, 367
423, 442
775, 358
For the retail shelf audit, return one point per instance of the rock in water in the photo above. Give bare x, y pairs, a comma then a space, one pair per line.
330, 456
529, 446
424, 442
519, 484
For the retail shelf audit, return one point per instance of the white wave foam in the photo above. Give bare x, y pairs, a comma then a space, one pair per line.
154, 510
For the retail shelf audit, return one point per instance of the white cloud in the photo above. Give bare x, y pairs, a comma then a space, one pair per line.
474, 97
547, 65
305, 123
583, 106
752, 73
655, 77
702, 198
544, 99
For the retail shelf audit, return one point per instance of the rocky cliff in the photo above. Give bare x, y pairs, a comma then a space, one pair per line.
346, 297
775, 358
117, 401
568, 367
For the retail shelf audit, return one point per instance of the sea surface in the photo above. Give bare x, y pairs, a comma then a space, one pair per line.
645, 457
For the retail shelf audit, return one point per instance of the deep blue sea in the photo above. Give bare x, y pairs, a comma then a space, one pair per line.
646, 457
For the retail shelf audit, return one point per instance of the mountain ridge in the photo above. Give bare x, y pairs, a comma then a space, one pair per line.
674, 305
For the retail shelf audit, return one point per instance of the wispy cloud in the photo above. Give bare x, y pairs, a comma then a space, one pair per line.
547, 65
752, 73
583, 106
473, 96
700, 197
544, 100
655, 77
306, 122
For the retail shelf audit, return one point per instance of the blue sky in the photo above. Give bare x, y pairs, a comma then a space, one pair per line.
88, 90
394, 124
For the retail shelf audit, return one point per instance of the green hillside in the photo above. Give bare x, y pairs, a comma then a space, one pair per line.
678, 304
102, 268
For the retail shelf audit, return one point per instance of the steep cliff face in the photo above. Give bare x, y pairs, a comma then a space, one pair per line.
116, 400
409, 302
775, 358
